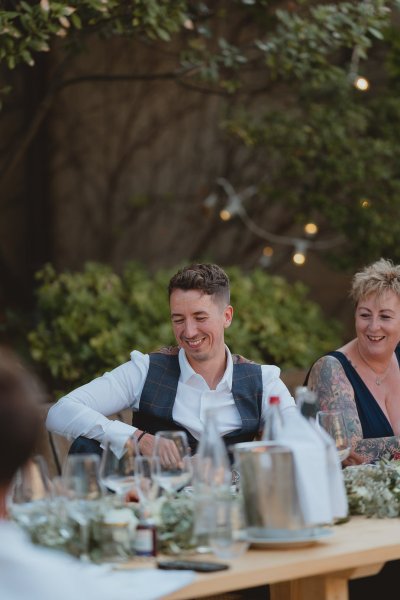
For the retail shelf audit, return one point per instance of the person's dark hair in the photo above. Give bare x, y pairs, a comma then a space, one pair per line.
208, 278
19, 415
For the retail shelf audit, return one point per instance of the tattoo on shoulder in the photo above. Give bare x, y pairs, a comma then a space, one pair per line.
335, 392
330, 383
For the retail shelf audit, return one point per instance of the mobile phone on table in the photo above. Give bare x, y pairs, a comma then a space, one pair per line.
192, 565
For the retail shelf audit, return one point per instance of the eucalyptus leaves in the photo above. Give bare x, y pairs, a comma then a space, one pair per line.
175, 525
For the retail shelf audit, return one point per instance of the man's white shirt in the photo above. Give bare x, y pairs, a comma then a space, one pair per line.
84, 411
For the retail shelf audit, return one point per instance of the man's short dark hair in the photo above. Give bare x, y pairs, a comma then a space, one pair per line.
208, 278
19, 415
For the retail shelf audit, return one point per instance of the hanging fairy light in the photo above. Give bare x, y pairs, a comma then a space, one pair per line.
268, 251
235, 207
361, 83
365, 203
300, 251
266, 256
188, 24
311, 228
225, 215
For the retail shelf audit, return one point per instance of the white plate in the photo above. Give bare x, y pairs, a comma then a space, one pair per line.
317, 534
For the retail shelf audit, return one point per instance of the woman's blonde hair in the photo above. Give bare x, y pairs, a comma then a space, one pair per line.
380, 277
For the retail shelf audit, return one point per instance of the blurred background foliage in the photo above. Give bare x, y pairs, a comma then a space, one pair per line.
320, 148
89, 321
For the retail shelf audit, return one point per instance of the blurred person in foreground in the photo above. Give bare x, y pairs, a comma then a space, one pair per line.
362, 378
28, 571
171, 388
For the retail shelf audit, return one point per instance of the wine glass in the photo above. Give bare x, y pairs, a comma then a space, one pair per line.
172, 462
146, 485
80, 479
30, 494
332, 421
117, 473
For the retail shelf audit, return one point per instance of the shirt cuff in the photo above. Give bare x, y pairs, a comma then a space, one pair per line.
117, 434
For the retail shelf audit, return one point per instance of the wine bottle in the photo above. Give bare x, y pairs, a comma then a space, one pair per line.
273, 422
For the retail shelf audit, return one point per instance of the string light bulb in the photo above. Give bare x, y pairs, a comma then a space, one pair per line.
225, 215
188, 24
311, 228
266, 256
361, 83
233, 208
300, 251
365, 203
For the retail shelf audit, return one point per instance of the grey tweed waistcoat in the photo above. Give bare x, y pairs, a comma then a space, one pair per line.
159, 391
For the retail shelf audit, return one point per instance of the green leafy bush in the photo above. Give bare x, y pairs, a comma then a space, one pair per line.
88, 322
274, 322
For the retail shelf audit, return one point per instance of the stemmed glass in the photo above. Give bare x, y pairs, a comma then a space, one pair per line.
80, 480
146, 485
172, 462
332, 421
117, 473
28, 501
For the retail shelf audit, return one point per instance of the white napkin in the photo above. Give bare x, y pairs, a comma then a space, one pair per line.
338, 496
318, 473
139, 584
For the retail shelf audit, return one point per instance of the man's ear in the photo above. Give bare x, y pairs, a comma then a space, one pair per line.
228, 315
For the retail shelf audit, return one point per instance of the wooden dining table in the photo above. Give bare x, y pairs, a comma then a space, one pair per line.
357, 548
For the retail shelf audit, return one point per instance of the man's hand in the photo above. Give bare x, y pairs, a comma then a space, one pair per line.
168, 453
146, 444
167, 450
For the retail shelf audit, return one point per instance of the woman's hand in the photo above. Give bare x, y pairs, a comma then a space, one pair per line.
353, 459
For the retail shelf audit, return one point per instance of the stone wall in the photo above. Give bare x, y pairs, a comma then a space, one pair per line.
127, 164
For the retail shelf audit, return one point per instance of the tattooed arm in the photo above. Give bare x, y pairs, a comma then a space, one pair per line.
334, 392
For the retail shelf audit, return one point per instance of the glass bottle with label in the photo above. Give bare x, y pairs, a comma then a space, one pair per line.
146, 538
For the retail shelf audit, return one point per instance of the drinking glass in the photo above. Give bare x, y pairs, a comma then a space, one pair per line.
117, 473
172, 465
28, 501
333, 423
228, 534
146, 483
80, 480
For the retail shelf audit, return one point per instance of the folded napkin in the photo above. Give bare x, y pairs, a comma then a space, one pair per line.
338, 496
318, 473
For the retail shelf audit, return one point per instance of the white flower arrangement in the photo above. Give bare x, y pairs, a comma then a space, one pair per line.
374, 490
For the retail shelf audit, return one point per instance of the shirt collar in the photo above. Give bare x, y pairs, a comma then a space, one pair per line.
187, 371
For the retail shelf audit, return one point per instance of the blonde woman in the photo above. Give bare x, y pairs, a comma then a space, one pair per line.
362, 378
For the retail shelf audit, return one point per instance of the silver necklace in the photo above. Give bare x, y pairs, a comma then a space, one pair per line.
379, 377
